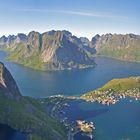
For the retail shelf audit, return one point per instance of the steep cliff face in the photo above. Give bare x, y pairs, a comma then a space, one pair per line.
34, 41
3, 41
26, 114
125, 47
53, 50
60, 50
7, 84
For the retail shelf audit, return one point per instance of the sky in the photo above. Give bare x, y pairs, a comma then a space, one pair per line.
81, 17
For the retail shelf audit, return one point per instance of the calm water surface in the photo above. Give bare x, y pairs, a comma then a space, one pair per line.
76, 82
116, 122
7, 133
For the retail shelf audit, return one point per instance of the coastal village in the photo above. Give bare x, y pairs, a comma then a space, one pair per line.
107, 97
110, 96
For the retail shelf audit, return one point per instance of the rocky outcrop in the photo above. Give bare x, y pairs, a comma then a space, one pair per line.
3, 41
64, 51
7, 84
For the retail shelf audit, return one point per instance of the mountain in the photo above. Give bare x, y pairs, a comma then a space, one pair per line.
26, 114
3, 41
124, 47
53, 50
60, 50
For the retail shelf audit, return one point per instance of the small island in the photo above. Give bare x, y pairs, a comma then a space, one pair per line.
86, 127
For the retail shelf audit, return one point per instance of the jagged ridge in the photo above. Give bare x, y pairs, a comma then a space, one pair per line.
53, 50
124, 47
59, 50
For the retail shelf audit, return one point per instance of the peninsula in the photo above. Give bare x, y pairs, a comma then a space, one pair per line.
115, 90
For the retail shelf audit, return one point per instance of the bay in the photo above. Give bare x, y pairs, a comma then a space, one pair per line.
75, 82
117, 122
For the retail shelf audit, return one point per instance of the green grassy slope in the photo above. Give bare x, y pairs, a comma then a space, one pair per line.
129, 54
115, 85
124, 47
121, 84
28, 115
33, 61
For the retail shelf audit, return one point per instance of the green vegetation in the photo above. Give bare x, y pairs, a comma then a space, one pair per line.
123, 47
29, 116
128, 54
121, 84
115, 89
33, 61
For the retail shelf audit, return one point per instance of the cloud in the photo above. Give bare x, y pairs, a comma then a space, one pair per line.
93, 14
77, 13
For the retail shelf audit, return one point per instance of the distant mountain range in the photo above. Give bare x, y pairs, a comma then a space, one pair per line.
60, 50
124, 47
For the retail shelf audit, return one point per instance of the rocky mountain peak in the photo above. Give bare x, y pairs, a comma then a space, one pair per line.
67, 33
95, 39
3, 39
11, 38
34, 40
53, 50
21, 37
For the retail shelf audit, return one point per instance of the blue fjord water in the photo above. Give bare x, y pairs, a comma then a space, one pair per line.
75, 82
116, 122
7, 133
